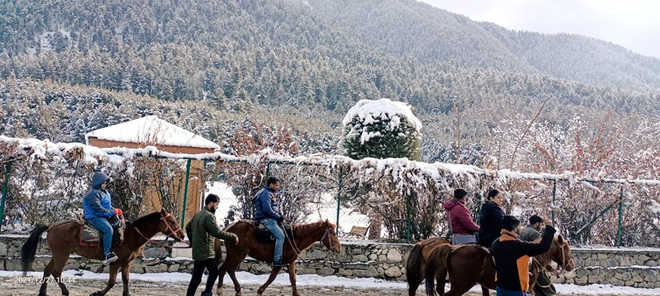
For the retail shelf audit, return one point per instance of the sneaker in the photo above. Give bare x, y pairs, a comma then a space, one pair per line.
279, 264
110, 258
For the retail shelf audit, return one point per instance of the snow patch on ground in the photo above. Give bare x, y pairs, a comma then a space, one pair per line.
308, 280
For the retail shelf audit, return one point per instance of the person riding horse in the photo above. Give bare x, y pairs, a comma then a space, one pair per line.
512, 257
267, 212
490, 218
462, 227
98, 210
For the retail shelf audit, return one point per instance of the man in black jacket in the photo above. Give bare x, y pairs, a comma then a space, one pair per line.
490, 218
512, 257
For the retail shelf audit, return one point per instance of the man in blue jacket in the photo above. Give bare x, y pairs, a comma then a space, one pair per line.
266, 211
98, 208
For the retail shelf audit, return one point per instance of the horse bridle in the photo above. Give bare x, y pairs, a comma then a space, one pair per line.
169, 228
563, 262
327, 232
563, 255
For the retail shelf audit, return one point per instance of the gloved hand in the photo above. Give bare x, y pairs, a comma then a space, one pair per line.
119, 212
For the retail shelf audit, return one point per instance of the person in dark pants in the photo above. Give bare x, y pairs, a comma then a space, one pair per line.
490, 218
201, 231
512, 257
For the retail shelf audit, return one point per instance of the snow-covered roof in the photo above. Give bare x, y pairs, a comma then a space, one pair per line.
151, 130
369, 110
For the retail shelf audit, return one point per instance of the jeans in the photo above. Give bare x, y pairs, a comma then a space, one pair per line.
102, 225
503, 292
277, 232
198, 271
458, 239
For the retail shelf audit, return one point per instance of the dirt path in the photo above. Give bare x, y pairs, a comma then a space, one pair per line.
84, 287
15, 286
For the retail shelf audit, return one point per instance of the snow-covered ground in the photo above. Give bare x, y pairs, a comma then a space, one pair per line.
327, 209
332, 281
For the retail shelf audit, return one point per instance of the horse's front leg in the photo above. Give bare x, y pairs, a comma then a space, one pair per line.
114, 269
125, 271
273, 275
292, 278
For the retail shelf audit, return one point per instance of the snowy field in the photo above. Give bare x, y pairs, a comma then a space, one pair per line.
14, 283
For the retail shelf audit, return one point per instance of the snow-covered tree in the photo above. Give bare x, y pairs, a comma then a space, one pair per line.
381, 129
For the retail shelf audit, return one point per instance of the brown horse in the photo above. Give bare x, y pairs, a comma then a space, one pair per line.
304, 236
469, 264
417, 259
64, 239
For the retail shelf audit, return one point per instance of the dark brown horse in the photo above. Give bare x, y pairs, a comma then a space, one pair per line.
64, 240
304, 236
469, 265
417, 259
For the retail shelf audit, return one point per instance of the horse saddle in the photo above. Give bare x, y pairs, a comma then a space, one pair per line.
265, 236
91, 237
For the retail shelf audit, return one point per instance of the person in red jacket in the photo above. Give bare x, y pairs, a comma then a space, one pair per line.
460, 222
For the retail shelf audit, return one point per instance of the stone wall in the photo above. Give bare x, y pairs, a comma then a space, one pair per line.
629, 267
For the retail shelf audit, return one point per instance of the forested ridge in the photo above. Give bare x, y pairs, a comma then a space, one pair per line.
308, 61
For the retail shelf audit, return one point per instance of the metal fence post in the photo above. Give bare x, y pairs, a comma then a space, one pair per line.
408, 222
340, 185
185, 194
5, 189
619, 232
554, 200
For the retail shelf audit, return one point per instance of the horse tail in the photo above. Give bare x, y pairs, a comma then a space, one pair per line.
414, 268
438, 262
29, 249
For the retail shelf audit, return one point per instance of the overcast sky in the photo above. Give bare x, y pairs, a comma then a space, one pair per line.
634, 24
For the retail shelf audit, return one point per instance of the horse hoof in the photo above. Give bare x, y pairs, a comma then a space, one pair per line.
219, 292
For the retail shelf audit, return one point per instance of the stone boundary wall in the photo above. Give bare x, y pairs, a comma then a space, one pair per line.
620, 267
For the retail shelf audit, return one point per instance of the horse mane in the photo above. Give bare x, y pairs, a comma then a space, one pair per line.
141, 220
311, 226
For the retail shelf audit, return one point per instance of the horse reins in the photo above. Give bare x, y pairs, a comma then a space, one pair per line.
292, 240
294, 245
170, 234
543, 268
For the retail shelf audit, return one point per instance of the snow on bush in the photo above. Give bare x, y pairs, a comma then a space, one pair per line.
381, 129
48, 180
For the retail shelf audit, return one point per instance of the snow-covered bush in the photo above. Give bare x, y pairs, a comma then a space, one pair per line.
381, 129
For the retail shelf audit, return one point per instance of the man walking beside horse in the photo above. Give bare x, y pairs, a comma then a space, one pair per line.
201, 231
